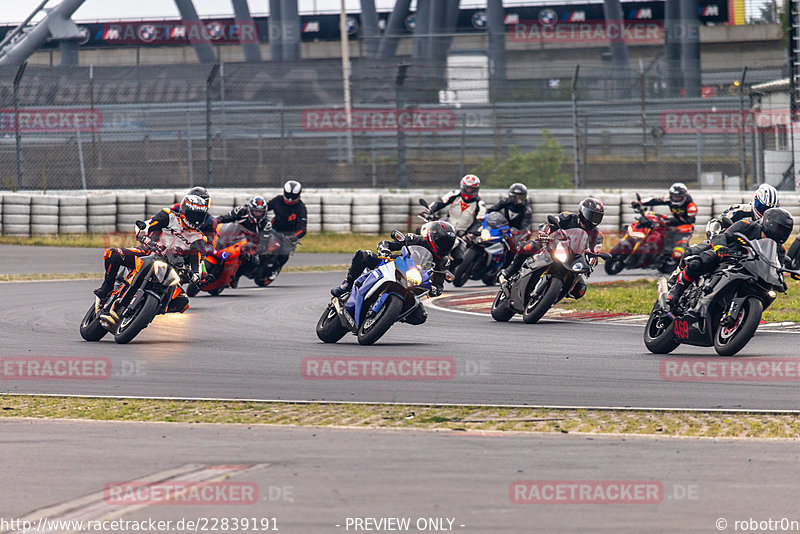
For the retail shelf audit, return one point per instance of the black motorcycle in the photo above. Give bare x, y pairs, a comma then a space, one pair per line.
547, 277
722, 309
272, 245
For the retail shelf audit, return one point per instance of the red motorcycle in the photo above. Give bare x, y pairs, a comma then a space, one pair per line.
642, 245
231, 244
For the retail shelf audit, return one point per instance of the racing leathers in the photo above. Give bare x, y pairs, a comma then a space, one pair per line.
465, 216
705, 258
519, 216
735, 212
290, 220
166, 219
681, 216
253, 229
547, 232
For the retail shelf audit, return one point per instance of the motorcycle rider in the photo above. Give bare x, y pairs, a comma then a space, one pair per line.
590, 214
438, 237
209, 226
683, 211
776, 224
188, 218
252, 216
290, 220
515, 208
764, 198
464, 210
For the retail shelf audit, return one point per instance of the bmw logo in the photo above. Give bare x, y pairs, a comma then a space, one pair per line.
577, 266
479, 19
214, 30
147, 32
548, 17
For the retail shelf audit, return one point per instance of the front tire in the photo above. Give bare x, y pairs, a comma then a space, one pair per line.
615, 265
215, 292
501, 309
91, 329
658, 333
128, 330
536, 308
329, 326
373, 327
192, 290
730, 340
463, 271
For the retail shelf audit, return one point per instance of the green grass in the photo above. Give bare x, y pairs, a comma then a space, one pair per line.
323, 242
638, 297
426, 417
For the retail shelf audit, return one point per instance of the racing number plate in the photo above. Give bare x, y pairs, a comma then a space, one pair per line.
682, 329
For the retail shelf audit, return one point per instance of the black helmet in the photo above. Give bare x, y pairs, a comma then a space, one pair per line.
200, 192
256, 208
677, 193
777, 224
518, 193
193, 211
441, 237
591, 212
291, 191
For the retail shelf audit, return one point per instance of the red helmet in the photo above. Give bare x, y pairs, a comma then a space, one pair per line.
470, 185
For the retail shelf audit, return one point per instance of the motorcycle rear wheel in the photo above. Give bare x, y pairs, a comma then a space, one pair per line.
129, 329
329, 326
501, 309
730, 340
658, 334
535, 309
91, 329
373, 327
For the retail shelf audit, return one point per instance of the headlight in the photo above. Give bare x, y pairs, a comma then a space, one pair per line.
160, 269
413, 277
486, 235
772, 294
561, 253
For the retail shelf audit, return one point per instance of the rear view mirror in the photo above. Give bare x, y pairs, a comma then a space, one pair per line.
638, 197
423, 203
141, 225
397, 235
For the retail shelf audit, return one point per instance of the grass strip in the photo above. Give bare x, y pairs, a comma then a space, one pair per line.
465, 418
638, 296
313, 243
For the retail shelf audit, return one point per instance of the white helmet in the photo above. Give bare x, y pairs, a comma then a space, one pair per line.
766, 197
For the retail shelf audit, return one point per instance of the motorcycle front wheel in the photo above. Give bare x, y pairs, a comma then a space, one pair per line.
537, 306
501, 309
658, 333
376, 324
91, 329
731, 339
615, 265
129, 327
329, 326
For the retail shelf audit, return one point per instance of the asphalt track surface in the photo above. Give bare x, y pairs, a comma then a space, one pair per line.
312, 479
249, 343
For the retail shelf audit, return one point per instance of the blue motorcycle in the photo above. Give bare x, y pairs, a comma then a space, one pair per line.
381, 297
486, 253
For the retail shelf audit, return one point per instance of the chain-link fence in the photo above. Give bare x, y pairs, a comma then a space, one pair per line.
246, 125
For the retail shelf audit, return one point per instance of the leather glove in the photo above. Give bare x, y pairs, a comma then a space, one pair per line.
722, 251
636, 204
435, 291
502, 277
383, 249
194, 278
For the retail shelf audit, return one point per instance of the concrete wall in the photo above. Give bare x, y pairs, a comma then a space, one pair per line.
332, 210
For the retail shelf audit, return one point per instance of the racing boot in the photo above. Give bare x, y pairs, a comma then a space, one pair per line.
343, 288
104, 290
677, 290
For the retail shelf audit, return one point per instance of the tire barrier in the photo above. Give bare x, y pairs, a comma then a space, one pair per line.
361, 211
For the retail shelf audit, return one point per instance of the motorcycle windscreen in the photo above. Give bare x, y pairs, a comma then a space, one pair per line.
767, 264
180, 243
577, 241
421, 256
228, 234
495, 220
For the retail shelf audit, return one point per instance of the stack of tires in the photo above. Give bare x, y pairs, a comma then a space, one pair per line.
157, 201
366, 213
313, 202
543, 203
102, 213
396, 212
706, 210
612, 218
336, 209
44, 215
72, 215
1, 214
221, 203
130, 208
16, 214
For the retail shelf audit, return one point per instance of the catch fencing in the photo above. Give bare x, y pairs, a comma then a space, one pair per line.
257, 125
338, 211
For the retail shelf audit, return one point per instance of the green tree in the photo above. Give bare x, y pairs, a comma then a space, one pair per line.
540, 168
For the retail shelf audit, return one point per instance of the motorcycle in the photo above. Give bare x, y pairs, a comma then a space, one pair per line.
272, 245
146, 291
721, 309
642, 245
232, 243
547, 277
381, 297
486, 254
